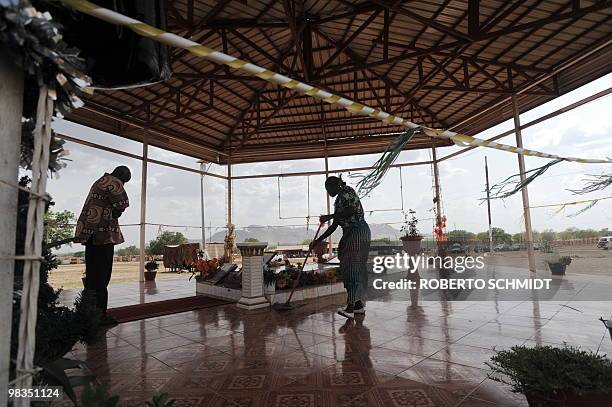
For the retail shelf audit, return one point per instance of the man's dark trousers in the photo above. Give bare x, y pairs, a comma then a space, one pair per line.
98, 269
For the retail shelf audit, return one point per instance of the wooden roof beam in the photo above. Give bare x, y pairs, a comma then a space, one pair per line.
473, 18
430, 22
510, 47
236, 23
357, 61
140, 124
513, 28
295, 31
341, 47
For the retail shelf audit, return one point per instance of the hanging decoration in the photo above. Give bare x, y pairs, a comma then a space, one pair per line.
35, 43
594, 183
374, 177
562, 206
586, 208
513, 183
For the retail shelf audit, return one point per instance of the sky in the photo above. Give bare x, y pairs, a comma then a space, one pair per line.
173, 196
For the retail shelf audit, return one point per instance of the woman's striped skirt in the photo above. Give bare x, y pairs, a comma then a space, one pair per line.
353, 251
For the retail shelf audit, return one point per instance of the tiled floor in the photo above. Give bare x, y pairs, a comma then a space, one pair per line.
397, 355
120, 295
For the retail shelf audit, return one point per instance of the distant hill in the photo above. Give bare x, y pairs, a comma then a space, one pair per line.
295, 235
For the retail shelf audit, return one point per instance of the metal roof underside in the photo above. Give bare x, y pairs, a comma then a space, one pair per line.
436, 63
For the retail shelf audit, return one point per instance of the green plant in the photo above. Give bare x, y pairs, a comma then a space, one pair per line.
270, 276
151, 265
563, 260
98, 397
128, 251
54, 374
58, 328
546, 246
58, 226
551, 373
166, 238
160, 400
410, 225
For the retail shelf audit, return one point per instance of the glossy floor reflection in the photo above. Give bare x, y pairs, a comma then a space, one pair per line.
123, 294
397, 355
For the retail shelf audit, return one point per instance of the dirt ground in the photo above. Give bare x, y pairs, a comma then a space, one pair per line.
69, 275
585, 259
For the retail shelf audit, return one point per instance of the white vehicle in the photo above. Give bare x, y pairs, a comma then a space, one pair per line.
605, 243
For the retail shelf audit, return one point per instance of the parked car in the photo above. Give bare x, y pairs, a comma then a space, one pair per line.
502, 247
456, 248
537, 245
605, 243
515, 247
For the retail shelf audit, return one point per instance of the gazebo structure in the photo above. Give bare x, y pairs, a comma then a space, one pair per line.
437, 64
463, 66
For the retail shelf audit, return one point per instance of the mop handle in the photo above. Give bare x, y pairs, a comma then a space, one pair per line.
303, 265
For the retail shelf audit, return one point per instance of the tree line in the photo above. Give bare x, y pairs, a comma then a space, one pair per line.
547, 235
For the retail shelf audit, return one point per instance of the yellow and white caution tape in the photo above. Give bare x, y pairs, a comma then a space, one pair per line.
571, 203
174, 40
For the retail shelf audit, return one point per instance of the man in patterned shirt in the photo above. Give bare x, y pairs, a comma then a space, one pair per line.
98, 229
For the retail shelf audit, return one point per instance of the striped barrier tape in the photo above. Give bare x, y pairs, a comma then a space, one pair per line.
193, 47
571, 203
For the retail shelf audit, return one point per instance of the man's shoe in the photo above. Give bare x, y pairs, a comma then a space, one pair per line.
346, 312
359, 308
107, 320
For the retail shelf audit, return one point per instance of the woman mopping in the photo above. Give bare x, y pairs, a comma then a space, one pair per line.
354, 246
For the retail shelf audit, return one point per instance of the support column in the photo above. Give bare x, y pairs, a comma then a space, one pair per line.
330, 246
202, 209
440, 246
143, 206
489, 207
252, 276
11, 93
229, 191
524, 192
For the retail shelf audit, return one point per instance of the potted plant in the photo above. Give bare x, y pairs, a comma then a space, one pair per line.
411, 240
557, 266
555, 377
150, 270
270, 278
283, 280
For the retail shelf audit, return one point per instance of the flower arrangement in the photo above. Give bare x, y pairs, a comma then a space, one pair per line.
288, 278
440, 231
205, 268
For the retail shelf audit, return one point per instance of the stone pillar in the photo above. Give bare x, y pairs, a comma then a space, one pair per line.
252, 275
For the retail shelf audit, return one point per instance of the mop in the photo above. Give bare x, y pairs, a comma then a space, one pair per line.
287, 306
